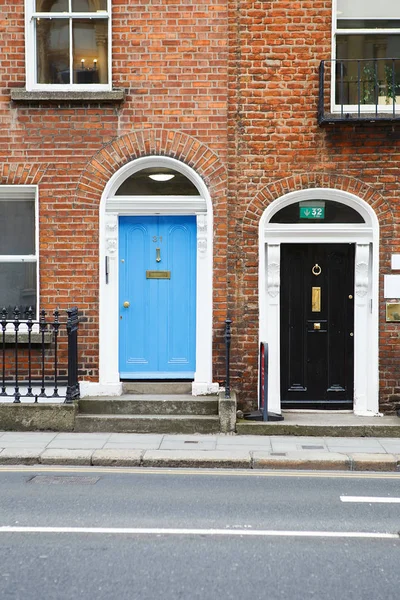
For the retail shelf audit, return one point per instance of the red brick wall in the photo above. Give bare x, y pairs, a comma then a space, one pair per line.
171, 59
180, 63
277, 147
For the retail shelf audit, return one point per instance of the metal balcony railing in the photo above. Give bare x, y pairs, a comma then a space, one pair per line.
359, 90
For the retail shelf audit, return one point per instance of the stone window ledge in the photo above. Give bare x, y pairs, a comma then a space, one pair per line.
22, 95
36, 338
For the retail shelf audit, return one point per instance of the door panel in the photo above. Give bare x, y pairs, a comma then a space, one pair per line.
157, 329
317, 321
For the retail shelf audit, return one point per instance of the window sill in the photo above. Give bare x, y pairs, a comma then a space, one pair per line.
36, 338
330, 118
22, 95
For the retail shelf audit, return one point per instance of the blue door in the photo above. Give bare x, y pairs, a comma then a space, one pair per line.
157, 297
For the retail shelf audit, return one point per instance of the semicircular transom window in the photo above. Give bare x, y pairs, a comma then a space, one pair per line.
317, 211
157, 181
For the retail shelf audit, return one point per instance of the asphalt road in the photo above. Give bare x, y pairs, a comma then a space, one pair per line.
97, 534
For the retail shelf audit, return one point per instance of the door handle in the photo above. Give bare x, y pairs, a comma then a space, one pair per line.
126, 304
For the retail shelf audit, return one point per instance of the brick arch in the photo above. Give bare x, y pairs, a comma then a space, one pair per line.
271, 192
245, 307
20, 173
148, 142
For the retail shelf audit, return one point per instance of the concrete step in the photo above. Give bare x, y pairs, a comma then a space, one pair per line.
157, 387
147, 423
142, 404
323, 424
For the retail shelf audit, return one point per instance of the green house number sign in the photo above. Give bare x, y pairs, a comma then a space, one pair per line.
312, 212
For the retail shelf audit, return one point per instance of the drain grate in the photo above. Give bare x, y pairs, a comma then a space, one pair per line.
190, 442
63, 480
278, 454
313, 447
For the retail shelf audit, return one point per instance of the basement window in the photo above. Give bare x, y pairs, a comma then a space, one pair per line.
18, 249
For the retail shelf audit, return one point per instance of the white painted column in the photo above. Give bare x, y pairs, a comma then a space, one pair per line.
272, 330
108, 314
203, 376
362, 346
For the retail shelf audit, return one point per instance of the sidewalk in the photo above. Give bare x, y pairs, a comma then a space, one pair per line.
206, 451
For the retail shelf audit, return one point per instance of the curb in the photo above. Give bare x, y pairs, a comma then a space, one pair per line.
235, 459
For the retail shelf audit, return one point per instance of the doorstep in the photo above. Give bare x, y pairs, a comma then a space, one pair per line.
323, 423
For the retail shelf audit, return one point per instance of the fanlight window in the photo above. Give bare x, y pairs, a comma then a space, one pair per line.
317, 211
157, 181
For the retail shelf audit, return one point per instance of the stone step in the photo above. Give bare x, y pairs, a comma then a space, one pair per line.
323, 424
157, 387
147, 424
142, 404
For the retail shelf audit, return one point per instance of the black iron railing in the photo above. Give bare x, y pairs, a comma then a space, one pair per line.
39, 357
72, 331
228, 336
359, 90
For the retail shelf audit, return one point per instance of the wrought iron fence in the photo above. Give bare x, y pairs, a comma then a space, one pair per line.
39, 357
362, 90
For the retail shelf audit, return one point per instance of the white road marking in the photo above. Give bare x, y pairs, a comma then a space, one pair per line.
370, 499
202, 532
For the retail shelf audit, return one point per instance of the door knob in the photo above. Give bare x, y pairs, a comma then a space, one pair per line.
127, 304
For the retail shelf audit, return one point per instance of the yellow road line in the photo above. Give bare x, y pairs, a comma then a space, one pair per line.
201, 472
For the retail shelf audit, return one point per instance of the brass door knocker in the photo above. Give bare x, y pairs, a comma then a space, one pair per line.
316, 270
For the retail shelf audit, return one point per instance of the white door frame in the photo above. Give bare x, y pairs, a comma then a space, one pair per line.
111, 207
365, 236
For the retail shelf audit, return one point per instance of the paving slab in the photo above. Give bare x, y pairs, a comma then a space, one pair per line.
117, 458
247, 448
31, 436
136, 437
242, 440
83, 436
358, 449
355, 441
390, 444
190, 458
39, 445
188, 443
296, 447
301, 460
66, 457
129, 445
76, 444
187, 436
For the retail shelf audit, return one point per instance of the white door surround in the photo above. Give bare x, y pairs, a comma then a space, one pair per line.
365, 236
111, 207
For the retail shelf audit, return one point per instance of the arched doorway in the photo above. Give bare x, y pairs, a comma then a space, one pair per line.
319, 301
155, 249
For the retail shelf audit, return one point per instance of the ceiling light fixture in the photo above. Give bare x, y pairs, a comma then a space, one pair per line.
161, 176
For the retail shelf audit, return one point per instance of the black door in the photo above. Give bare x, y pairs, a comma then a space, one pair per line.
317, 324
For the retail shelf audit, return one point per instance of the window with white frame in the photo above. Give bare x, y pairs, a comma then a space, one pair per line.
367, 52
68, 44
18, 248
